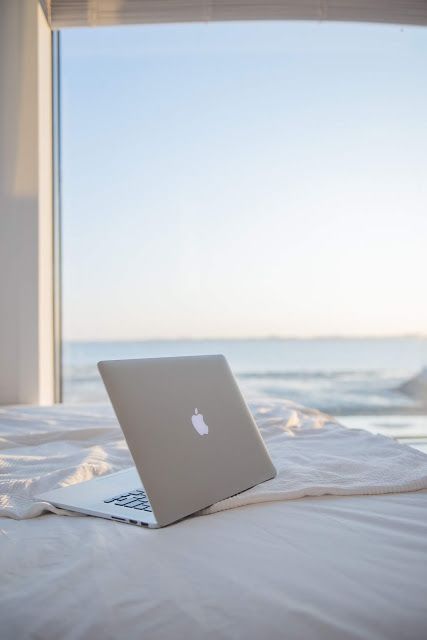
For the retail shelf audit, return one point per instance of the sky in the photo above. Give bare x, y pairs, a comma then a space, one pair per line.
244, 180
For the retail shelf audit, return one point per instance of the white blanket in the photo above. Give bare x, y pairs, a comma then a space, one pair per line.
319, 568
45, 448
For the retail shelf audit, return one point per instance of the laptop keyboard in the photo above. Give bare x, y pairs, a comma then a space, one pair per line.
136, 499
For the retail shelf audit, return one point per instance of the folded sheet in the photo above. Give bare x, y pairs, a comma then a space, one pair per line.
43, 448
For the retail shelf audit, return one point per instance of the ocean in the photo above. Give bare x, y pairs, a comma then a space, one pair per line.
359, 379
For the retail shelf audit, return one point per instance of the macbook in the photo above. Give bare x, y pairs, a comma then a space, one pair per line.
191, 435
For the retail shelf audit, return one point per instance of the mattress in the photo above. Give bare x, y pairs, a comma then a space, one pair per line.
321, 567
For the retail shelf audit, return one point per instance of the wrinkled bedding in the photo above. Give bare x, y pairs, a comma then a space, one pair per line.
324, 567
45, 448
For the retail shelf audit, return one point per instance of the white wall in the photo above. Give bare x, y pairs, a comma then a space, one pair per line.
26, 286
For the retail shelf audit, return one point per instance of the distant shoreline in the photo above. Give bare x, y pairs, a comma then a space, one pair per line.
331, 338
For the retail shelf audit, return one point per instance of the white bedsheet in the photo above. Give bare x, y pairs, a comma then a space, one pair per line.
42, 449
314, 568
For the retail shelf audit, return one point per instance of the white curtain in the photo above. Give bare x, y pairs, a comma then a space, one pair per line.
89, 13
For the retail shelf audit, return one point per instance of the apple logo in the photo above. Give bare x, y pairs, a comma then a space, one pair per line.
199, 424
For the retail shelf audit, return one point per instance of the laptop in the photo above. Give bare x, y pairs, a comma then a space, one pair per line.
192, 438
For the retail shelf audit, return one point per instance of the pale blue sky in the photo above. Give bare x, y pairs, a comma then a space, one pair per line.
244, 179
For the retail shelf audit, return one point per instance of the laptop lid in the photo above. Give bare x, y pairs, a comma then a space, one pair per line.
191, 435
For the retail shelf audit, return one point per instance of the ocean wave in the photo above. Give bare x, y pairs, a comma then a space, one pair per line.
416, 387
336, 392
304, 374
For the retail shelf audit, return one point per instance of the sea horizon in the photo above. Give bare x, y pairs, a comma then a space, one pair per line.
345, 376
331, 337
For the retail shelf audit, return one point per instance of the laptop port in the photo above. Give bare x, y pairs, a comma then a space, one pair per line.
133, 521
119, 519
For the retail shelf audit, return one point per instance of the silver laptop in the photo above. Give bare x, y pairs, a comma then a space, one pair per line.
192, 439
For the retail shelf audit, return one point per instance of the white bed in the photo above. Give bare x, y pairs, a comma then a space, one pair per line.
318, 567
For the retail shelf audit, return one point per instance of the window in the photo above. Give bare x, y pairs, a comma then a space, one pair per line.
251, 188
